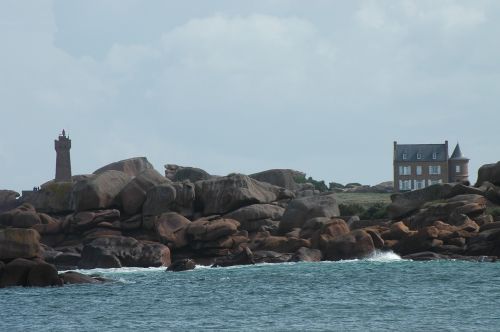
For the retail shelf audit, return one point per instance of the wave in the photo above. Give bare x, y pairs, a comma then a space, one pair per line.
118, 270
377, 256
384, 256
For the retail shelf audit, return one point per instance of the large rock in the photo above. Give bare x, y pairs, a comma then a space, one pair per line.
253, 217
489, 173
302, 209
426, 239
53, 197
8, 199
285, 178
225, 194
304, 254
210, 230
268, 256
32, 273
280, 244
23, 216
43, 275
99, 191
449, 211
19, 243
313, 227
133, 195
170, 197
131, 167
117, 251
171, 229
16, 272
396, 231
405, 203
184, 264
72, 277
356, 244
178, 173
243, 257
85, 220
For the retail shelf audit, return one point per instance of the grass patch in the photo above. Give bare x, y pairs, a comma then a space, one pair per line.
365, 200
367, 206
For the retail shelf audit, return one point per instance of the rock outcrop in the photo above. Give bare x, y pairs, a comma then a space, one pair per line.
170, 197
133, 195
356, 244
302, 209
132, 167
171, 229
225, 194
99, 191
118, 251
24, 216
127, 214
285, 178
257, 217
489, 173
53, 197
182, 265
19, 243
178, 173
404, 204
8, 199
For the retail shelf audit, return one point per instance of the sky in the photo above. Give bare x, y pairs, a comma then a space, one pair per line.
320, 86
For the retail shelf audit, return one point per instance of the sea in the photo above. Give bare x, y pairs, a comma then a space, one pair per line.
380, 293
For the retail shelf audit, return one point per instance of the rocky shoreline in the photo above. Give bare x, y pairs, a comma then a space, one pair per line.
128, 214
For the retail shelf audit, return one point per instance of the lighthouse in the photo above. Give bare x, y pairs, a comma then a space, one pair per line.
63, 160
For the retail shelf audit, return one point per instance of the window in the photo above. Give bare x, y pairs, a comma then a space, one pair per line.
404, 184
419, 170
434, 155
419, 184
419, 156
404, 170
405, 156
457, 169
431, 182
435, 170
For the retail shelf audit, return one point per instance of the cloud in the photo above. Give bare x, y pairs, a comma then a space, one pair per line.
447, 15
232, 87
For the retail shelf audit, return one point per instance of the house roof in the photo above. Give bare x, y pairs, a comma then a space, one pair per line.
457, 154
424, 151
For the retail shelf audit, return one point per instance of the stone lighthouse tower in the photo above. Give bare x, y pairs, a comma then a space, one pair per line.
63, 161
458, 166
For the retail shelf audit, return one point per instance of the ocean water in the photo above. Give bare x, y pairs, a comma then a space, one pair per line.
377, 294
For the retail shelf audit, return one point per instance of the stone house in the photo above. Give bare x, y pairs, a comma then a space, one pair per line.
417, 166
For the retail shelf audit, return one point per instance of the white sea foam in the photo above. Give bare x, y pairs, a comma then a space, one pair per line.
119, 270
384, 256
378, 256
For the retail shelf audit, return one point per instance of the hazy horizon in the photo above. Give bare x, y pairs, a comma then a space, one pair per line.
323, 87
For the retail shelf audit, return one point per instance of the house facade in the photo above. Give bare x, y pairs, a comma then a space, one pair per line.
417, 166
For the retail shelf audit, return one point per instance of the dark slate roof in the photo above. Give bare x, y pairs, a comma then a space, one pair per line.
457, 154
427, 151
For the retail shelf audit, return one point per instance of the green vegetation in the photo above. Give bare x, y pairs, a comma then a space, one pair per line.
60, 190
494, 211
365, 205
364, 199
335, 185
353, 185
318, 185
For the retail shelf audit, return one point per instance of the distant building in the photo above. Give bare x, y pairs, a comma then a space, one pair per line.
63, 160
417, 166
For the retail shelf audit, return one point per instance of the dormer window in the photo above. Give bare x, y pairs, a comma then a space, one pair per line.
419, 156
405, 156
434, 155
